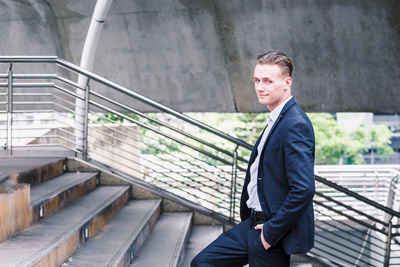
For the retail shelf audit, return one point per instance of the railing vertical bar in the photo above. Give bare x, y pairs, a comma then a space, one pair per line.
86, 122
388, 241
233, 185
9, 110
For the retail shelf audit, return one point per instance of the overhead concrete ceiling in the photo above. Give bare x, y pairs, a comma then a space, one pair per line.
199, 55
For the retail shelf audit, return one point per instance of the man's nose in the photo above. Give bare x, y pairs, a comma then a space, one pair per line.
260, 87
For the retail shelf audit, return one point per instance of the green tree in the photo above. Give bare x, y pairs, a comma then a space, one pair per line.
334, 146
330, 138
379, 137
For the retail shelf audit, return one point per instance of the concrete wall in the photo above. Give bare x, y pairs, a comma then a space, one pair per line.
198, 55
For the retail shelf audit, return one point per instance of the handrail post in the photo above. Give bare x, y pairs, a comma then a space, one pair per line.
233, 186
390, 197
86, 122
8, 145
388, 241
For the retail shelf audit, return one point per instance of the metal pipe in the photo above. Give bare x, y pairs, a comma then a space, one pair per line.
153, 103
388, 241
350, 217
28, 59
33, 94
201, 184
126, 91
164, 134
33, 85
162, 123
356, 196
351, 208
85, 123
8, 145
152, 146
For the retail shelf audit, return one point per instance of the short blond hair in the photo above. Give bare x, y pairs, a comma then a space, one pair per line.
278, 58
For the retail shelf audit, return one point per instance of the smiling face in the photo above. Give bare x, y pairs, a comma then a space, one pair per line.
272, 86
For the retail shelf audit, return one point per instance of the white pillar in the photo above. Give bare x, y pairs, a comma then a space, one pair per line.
87, 59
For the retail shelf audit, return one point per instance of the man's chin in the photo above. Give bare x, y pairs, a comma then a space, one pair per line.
264, 103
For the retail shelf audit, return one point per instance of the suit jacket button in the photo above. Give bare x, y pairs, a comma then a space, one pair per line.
259, 178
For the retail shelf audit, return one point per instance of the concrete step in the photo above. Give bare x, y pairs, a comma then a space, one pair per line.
52, 195
55, 238
200, 237
121, 238
31, 170
165, 244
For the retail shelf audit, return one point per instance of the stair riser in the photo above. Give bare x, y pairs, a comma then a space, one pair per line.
138, 243
15, 211
98, 222
39, 174
59, 201
60, 254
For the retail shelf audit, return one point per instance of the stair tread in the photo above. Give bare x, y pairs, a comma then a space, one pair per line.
167, 239
55, 186
200, 237
117, 236
39, 239
18, 164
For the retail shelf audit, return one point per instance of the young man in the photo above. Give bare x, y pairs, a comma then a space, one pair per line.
276, 203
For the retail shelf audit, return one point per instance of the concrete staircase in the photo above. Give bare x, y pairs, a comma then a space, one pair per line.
67, 212
78, 215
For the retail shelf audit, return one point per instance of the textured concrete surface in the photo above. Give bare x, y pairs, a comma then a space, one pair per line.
42, 238
167, 238
129, 227
47, 190
17, 164
39, 152
13, 165
199, 55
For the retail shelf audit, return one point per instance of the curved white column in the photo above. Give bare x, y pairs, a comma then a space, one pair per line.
87, 59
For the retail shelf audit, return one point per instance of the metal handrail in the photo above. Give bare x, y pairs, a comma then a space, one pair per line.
336, 205
357, 196
120, 88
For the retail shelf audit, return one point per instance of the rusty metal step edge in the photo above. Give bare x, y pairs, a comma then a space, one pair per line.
79, 228
61, 196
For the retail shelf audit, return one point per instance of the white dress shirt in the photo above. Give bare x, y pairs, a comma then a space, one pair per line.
253, 202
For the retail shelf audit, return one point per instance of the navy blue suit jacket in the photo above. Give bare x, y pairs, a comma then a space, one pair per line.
285, 181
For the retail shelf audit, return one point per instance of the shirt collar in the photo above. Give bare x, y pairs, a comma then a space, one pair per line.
273, 115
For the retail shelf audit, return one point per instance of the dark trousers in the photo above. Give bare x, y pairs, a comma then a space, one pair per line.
239, 246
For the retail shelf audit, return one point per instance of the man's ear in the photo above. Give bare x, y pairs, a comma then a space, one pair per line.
288, 82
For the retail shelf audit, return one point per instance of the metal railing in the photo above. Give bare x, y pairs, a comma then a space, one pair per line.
199, 163
356, 209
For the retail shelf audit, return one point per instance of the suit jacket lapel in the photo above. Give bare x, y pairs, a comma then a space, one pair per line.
254, 151
290, 103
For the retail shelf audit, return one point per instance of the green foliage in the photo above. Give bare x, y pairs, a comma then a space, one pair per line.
112, 118
334, 146
380, 140
330, 138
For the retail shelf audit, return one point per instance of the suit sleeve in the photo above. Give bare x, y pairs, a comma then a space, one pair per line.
299, 169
